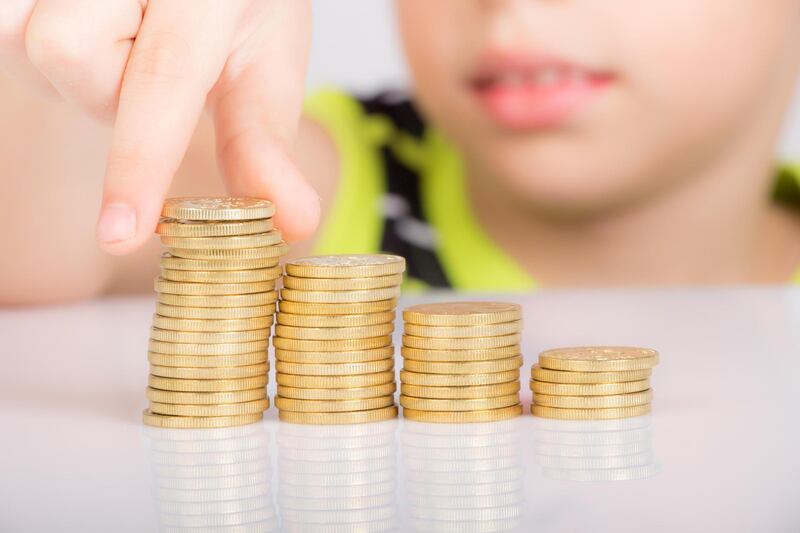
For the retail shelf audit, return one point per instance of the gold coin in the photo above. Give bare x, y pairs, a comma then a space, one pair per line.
337, 297
206, 385
599, 359
561, 376
175, 348
294, 332
217, 208
462, 313
589, 414
595, 389
194, 422
185, 228
228, 300
205, 337
455, 393
335, 369
222, 276
211, 289
338, 406
207, 361
461, 404
205, 398
455, 356
334, 382
334, 321
463, 417
257, 240
490, 330
215, 326
594, 402
479, 367
430, 343
462, 380
209, 373
346, 266
202, 265
264, 252
354, 308
225, 409
215, 313
340, 345
361, 356
354, 393
352, 417
342, 284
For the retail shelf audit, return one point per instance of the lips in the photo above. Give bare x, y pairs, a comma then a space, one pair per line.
534, 92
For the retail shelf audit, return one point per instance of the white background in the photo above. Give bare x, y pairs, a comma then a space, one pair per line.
356, 47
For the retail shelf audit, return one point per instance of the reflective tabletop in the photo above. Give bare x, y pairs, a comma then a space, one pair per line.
720, 451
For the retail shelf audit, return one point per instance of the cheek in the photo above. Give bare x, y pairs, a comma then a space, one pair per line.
712, 60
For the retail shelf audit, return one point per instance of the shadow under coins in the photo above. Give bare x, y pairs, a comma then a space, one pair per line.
337, 478
463, 477
595, 450
212, 479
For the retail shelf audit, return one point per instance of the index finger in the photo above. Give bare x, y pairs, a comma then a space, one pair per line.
176, 59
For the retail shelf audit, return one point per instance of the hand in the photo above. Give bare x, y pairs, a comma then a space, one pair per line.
151, 67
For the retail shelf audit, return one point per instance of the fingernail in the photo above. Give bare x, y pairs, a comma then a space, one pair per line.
117, 223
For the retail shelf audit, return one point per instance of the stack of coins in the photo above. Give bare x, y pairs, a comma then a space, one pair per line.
593, 382
216, 302
333, 341
212, 479
337, 478
461, 362
465, 477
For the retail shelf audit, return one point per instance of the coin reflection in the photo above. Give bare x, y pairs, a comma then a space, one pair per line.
212, 479
462, 477
337, 478
595, 450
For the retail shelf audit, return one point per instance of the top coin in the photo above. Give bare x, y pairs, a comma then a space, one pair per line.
599, 358
462, 313
346, 266
217, 208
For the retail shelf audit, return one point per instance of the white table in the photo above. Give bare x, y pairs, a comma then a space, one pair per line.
721, 451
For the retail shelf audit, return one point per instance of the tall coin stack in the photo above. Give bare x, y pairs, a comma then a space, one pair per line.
461, 362
593, 382
216, 302
333, 341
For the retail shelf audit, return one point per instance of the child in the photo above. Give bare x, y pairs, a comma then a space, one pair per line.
552, 144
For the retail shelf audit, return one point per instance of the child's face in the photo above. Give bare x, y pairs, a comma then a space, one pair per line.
582, 105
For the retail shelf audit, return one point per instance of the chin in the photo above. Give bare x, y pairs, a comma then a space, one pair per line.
564, 189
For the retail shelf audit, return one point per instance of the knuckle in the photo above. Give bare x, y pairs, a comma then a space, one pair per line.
164, 58
54, 44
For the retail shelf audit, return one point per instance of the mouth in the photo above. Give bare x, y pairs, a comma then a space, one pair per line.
527, 93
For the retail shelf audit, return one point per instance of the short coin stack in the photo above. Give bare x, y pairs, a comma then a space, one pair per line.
593, 382
216, 302
333, 341
461, 362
